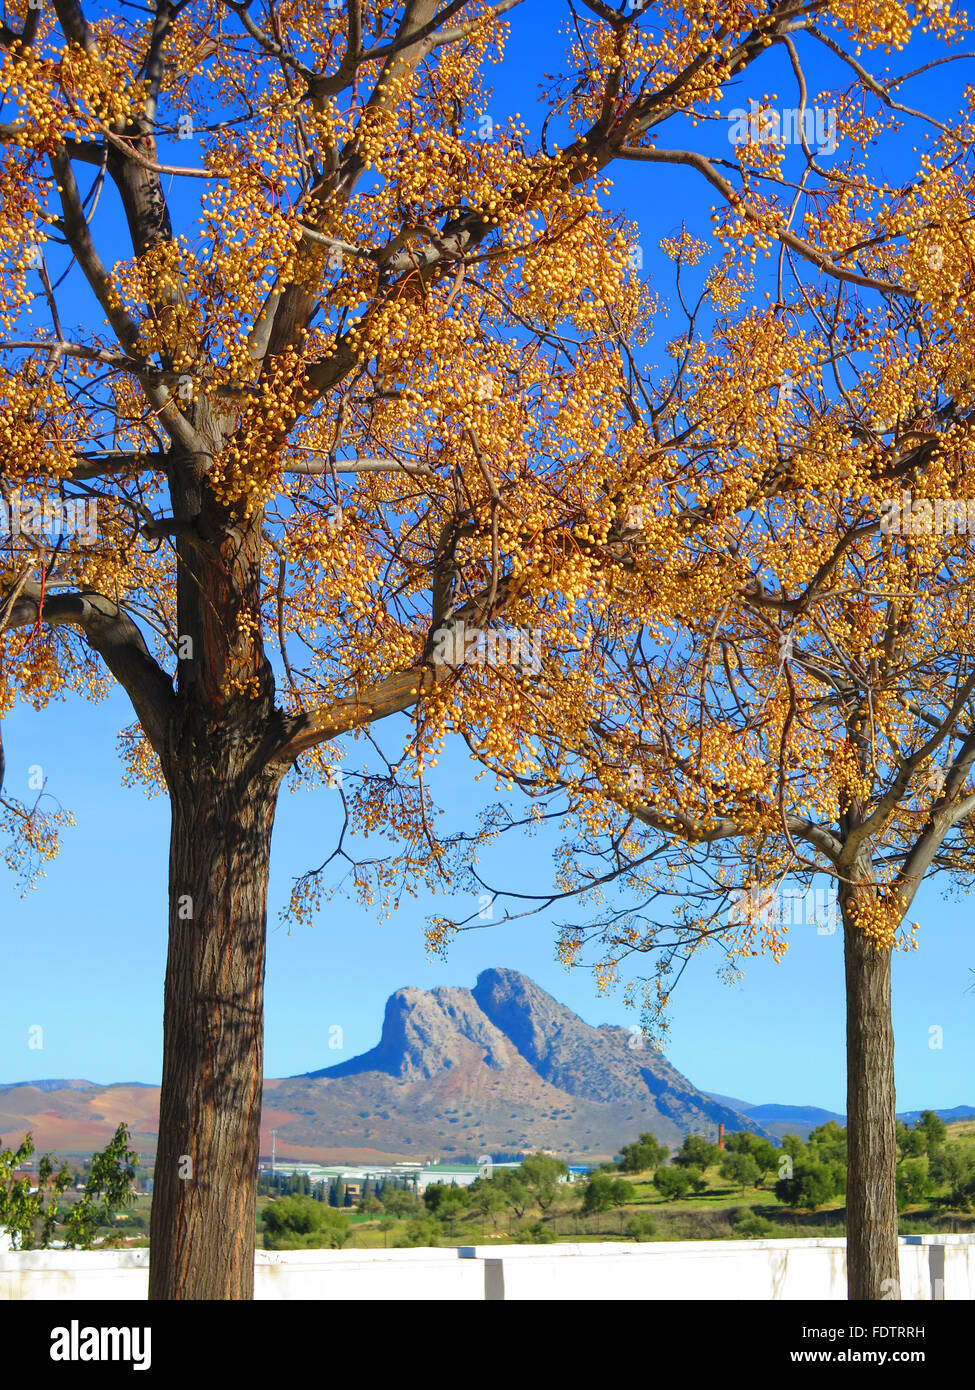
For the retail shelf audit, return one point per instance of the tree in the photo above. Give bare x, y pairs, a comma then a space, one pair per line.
21, 1208
697, 1179
107, 1189
672, 1183
398, 1202
542, 1174
452, 1204
911, 1143
696, 1152
828, 1143
535, 1233
793, 1147
935, 1130
301, 1223
748, 1225
386, 1224
740, 1168
953, 1167
382, 399
419, 1231
433, 1195
811, 1185
811, 716
765, 1155
913, 1183
517, 1194
643, 1156
602, 1193
487, 1198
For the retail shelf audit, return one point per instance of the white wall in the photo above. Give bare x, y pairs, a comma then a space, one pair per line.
931, 1267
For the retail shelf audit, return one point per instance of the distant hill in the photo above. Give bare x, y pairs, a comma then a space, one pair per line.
59, 1085
801, 1119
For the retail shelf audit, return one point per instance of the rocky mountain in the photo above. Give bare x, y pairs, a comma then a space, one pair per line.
500, 1068
503, 1066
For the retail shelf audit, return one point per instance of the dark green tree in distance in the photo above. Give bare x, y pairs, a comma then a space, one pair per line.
812, 1185
741, 1169
399, 1202
541, 1174
766, 1155
911, 1143
517, 1193
300, 1223
935, 1130
672, 1183
953, 1167
696, 1152
913, 1183
644, 1155
602, 1193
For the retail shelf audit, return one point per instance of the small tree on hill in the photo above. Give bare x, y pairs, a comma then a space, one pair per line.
812, 1185
740, 1168
603, 1192
644, 1155
696, 1152
935, 1130
672, 1183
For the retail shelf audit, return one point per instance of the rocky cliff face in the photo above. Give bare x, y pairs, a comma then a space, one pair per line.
428, 1032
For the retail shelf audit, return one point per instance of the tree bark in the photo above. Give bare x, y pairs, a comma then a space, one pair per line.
871, 1185
205, 1189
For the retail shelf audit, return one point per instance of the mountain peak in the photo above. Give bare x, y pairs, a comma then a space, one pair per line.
514, 1052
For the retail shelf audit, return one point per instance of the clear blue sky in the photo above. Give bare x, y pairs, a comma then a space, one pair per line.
84, 954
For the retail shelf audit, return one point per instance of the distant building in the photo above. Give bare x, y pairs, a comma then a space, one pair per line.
354, 1176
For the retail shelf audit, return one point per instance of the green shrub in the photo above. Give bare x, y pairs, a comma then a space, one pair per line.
750, 1226
641, 1226
420, 1231
535, 1233
301, 1223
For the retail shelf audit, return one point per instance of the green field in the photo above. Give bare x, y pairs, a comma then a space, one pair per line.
709, 1215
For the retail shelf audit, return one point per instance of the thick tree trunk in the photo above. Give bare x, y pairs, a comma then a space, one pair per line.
205, 1190
871, 1196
